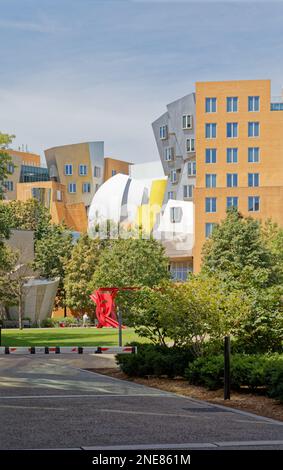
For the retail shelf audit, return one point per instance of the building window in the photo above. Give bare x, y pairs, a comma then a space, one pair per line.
86, 187
232, 130
72, 187
173, 176
232, 104
188, 190
68, 170
232, 180
82, 170
169, 154
192, 169
187, 121
190, 145
209, 226
232, 155
253, 203
210, 131
210, 204
113, 172
210, 180
58, 195
163, 133
253, 179
9, 185
232, 202
210, 105
253, 154
180, 271
210, 155
176, 214
171, 195
253, 103
97, 172
253, 129
10, 168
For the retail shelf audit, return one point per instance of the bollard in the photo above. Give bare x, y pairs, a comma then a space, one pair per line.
32, 350
80, 350
227, 376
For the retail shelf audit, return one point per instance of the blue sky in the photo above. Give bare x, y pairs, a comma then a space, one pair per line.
82, 70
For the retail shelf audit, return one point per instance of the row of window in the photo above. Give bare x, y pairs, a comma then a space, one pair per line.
72, 187
187, 123
232, 104
232, 155
232, 130
231, 180
191, 172
83, 170
211, 203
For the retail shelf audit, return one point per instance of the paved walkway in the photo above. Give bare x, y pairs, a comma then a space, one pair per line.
51, 403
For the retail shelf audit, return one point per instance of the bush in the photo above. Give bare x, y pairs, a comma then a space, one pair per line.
47, 323
274, 377
155, 360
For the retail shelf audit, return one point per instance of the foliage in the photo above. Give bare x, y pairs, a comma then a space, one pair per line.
79, 271
52, 254
274, 378
155, 360
30, 215
5, 160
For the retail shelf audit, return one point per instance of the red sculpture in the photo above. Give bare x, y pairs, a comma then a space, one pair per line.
104, 297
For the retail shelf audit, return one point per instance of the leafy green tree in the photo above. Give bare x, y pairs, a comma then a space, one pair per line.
52, 253
5, 160
79, 271
30, 215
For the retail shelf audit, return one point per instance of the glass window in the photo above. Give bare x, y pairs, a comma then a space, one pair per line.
210, 131
168, 154
97, 172
179, 271
58, 195
253, 154
173, 176
232, 129
232, 155
171, 195
68, 169
190, 145
253, 203
176, 214
209, 226
210, 155
9, 185
210, 204
72, 187
188, 190
10, 168
86, 187
232, 180
82, 170
253, 103
210, 105
253, 129
253, 179
187, 121
163, 132
232, 201
232, 104
191, 168
210, 180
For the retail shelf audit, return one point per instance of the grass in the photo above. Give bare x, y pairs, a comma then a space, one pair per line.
66, 337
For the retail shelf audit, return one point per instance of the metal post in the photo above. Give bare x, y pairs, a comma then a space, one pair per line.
227, 377
0, 335
120, 326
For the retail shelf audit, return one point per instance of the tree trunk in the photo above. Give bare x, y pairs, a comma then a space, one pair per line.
20, 309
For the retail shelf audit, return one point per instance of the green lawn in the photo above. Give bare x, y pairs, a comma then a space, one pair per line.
66, 337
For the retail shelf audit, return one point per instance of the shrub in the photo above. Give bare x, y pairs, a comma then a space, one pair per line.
274, 377
47, 323
155, 360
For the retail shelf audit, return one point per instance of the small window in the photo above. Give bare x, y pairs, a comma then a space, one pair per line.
210, 105
191, 168
72, 188
59, 195
253, 103
232, 155
253, 129
232, 180
253, 203
188, 191
209, 226
210, 155
176, 214
231, 130
10, 168
210, 180
97, 172
9, 185
86, 187
82, 170
163, 132
232, 104
171, 195
231, 202
253, 179
169, 154
210, 204
173, 176
253, 154
210, 131
187, 121
190, 145
68, 169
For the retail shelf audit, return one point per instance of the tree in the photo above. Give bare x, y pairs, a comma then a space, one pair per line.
30, 215
52, 253
79, 271
5, 161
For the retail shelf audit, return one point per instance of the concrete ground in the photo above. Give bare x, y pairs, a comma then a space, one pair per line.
49, 402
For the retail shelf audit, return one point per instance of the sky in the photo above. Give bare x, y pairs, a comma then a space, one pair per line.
85, 70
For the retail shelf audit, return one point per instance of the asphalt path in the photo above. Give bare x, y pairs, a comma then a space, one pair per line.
52, 403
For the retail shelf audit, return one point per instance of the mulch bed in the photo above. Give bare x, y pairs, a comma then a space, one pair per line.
243, 400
